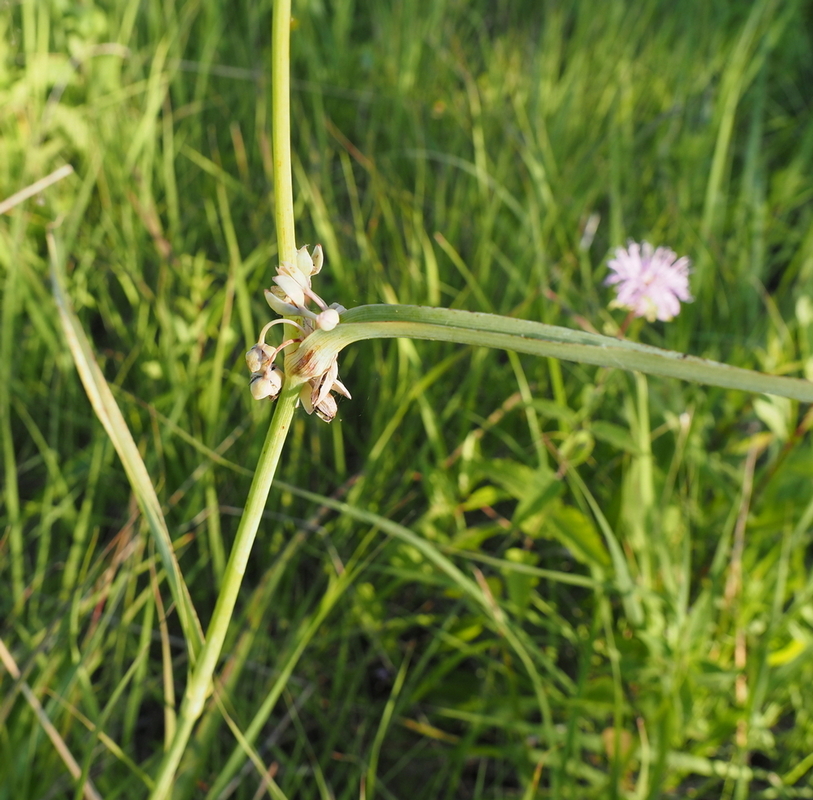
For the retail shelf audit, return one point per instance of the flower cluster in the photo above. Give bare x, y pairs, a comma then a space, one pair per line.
289, 297
650, 283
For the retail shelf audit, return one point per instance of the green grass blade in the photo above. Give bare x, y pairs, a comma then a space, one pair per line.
109, 414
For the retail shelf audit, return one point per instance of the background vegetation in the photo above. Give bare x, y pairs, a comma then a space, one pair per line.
459, 628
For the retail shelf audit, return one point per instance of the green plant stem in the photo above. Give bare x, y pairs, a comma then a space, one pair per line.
281, 130
200, 681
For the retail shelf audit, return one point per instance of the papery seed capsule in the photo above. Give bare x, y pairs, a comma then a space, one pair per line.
327, 409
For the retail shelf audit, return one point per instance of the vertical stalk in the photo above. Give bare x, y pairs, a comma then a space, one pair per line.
281, 130
200, 681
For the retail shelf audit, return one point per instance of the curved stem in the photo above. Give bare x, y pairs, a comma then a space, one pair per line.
280, 321
535, 338
279, 348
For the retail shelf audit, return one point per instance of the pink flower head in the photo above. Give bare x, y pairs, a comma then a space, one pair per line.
651, 284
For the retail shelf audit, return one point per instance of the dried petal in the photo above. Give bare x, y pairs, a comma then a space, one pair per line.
340, 388
323, 384
327, 409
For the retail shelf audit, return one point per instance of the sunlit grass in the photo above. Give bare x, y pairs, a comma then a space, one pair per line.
432, 608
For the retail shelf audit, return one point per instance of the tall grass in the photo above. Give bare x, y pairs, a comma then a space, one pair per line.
431, 608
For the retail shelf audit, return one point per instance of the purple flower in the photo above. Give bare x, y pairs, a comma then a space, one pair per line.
650, 283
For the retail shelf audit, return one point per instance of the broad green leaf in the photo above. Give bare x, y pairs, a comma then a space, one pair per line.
483, 496
788, 653
573, 529
472, 538
543, 491
520, 584
553, 410
577, 531
614, 435
775, 413
578, 446
514, 477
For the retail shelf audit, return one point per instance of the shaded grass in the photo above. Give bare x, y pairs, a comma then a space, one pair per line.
446, 153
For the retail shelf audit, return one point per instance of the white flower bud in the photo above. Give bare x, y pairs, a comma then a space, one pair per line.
267, 383
328, 319
258, 357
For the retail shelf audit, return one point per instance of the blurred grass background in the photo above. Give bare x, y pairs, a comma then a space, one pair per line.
460, 628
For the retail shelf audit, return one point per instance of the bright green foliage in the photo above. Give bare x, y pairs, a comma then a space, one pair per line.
491, 576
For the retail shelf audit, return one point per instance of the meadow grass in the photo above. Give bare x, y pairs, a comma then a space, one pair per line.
432, 608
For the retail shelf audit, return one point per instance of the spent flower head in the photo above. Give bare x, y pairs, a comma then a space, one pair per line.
650, 283
290, 297
316, 393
